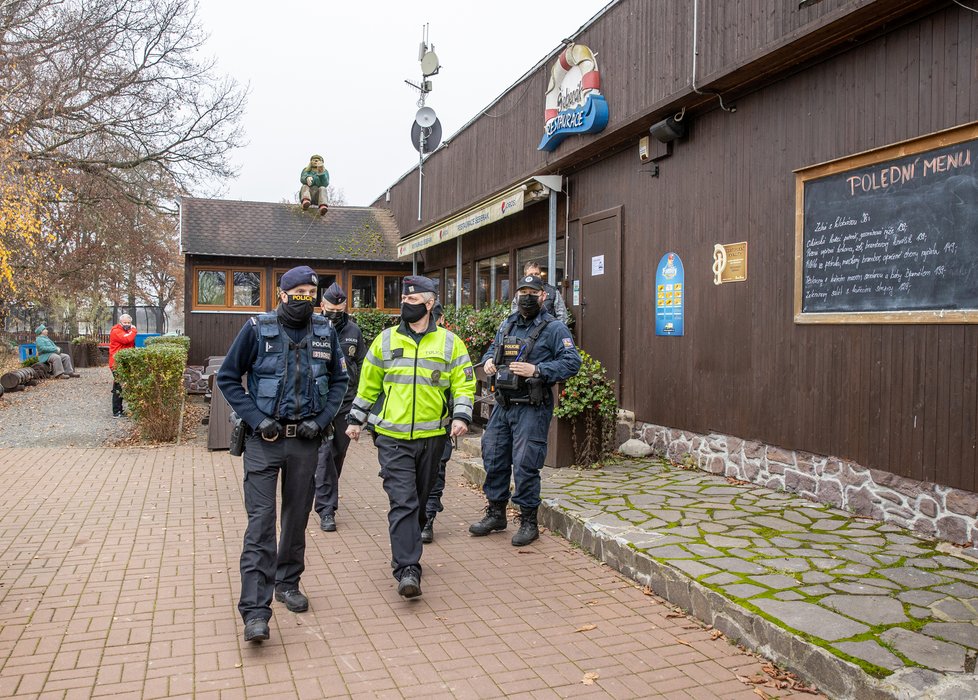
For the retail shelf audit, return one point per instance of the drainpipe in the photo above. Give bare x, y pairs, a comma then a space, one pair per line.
696, 16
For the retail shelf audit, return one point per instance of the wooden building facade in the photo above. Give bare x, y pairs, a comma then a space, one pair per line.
759, 90
236, 252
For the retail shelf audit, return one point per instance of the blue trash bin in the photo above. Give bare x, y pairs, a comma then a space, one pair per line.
27, 350
141, 338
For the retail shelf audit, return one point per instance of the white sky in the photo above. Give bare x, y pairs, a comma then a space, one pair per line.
328, 77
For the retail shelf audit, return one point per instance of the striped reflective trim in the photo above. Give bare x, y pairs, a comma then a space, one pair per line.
407, 427
464, 401
362, 403
449, 346
408, 363
376, 362
373, 419
463, 411
420, 380
358, 415
460, 360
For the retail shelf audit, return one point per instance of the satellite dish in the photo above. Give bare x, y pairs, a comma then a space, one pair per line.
429, 64
432, 136
425, 117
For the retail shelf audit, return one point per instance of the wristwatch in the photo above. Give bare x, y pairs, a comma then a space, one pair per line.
536, 372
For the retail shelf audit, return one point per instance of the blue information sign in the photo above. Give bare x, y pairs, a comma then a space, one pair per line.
670, 293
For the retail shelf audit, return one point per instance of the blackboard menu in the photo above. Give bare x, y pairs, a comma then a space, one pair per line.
893, 236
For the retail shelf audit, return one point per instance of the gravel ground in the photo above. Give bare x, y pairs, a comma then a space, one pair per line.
63, 413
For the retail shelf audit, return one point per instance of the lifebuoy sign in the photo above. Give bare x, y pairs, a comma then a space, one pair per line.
574, 101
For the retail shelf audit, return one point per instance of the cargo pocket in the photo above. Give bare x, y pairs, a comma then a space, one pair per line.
267, 388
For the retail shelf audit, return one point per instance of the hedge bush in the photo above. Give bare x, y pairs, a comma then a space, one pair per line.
179, 340
152, 386
590, 395
372, 322
476, 328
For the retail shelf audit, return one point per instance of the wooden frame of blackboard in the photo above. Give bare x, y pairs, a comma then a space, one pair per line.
939, 139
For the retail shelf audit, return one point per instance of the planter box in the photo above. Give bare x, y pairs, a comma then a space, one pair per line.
79, 355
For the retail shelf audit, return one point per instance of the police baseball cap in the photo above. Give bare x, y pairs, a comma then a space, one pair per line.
297, 276
530, 282
412, 284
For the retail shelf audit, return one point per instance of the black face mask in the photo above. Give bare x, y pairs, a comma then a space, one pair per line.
411, 313
529, 305
296, 311
338, 318
126, 326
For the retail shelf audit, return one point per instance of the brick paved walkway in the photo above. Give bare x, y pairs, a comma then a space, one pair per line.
120, 579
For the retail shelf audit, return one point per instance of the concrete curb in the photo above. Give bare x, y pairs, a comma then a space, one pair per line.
834, 676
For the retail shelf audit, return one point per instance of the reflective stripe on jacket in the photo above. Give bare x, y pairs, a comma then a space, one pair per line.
414, 378
285, 371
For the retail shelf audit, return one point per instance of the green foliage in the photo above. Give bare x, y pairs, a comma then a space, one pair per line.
372, 322
178, 340
588, 399
83, 340
152, 385
476, 328
29, 361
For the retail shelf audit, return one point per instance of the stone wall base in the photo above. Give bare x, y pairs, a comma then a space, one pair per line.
929, 509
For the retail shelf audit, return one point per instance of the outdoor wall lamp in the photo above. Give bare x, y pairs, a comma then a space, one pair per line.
669, 129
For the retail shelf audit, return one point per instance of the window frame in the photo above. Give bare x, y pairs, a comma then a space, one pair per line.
279, 271
228, 271
378, 275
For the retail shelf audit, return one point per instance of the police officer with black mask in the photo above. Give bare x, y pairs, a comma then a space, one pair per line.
530, 353
296, 382
332, 453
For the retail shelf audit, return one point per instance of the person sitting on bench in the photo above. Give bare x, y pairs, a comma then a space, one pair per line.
48, 352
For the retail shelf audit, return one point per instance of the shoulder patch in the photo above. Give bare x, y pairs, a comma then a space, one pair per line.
343, 363
468, 372
568, 343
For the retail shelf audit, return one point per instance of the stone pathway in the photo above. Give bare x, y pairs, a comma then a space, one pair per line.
120, 578
859, 607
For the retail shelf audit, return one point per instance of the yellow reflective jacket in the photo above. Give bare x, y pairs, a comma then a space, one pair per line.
418, 381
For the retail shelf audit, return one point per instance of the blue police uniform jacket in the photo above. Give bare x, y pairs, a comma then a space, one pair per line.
291, 377
554, 353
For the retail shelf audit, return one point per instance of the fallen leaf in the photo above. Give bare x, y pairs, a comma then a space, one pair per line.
647, 591
684, 642
674, 614
589, 678
716, 634
591, 602
238, 665
762, 694
586, 628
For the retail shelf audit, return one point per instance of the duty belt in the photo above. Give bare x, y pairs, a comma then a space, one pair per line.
288, 431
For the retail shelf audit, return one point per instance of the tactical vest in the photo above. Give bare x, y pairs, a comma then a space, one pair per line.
289, 381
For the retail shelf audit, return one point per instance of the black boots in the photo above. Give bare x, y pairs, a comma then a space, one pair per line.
528, 527
428, 531
494, 519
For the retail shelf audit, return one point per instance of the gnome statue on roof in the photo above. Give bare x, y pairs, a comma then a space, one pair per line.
315, 180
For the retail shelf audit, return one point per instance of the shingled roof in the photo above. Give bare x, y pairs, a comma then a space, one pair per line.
269, 230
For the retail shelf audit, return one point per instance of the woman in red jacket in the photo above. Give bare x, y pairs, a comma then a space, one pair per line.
122, 335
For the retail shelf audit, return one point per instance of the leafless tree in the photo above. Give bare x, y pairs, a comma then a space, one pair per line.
116, 90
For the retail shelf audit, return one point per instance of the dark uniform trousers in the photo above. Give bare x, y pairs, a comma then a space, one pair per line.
262, 567
515, 444
332, 454
409, 469
434, 506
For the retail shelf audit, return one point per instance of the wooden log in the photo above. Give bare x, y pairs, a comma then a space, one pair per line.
16, 378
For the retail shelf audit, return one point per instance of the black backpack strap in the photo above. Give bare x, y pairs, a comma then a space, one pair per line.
534, 335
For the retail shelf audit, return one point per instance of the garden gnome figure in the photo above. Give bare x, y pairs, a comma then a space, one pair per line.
315, 180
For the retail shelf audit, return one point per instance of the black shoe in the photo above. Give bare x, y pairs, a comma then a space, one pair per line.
256, 630
328, 523
494, 519
528, 527
410, 584
293, 599
428, 531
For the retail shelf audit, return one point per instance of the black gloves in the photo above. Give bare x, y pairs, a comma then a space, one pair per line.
270, 429
308, 429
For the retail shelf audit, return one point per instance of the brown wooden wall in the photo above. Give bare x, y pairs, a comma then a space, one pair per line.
212, 332
644, 54
901, 398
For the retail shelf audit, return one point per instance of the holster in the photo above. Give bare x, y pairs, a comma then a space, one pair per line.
536, 387
238, 434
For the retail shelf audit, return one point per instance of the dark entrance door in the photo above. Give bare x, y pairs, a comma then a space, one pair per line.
600, 333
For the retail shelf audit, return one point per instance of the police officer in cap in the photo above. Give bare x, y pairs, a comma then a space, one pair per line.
414, 365
332, 453
296, 382
530, 353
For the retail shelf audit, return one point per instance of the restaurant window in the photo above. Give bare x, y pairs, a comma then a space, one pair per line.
370, 290
538, 254
492, 282
212, 291
450, 285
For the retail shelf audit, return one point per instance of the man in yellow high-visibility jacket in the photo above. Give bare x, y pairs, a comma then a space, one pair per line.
414, 365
